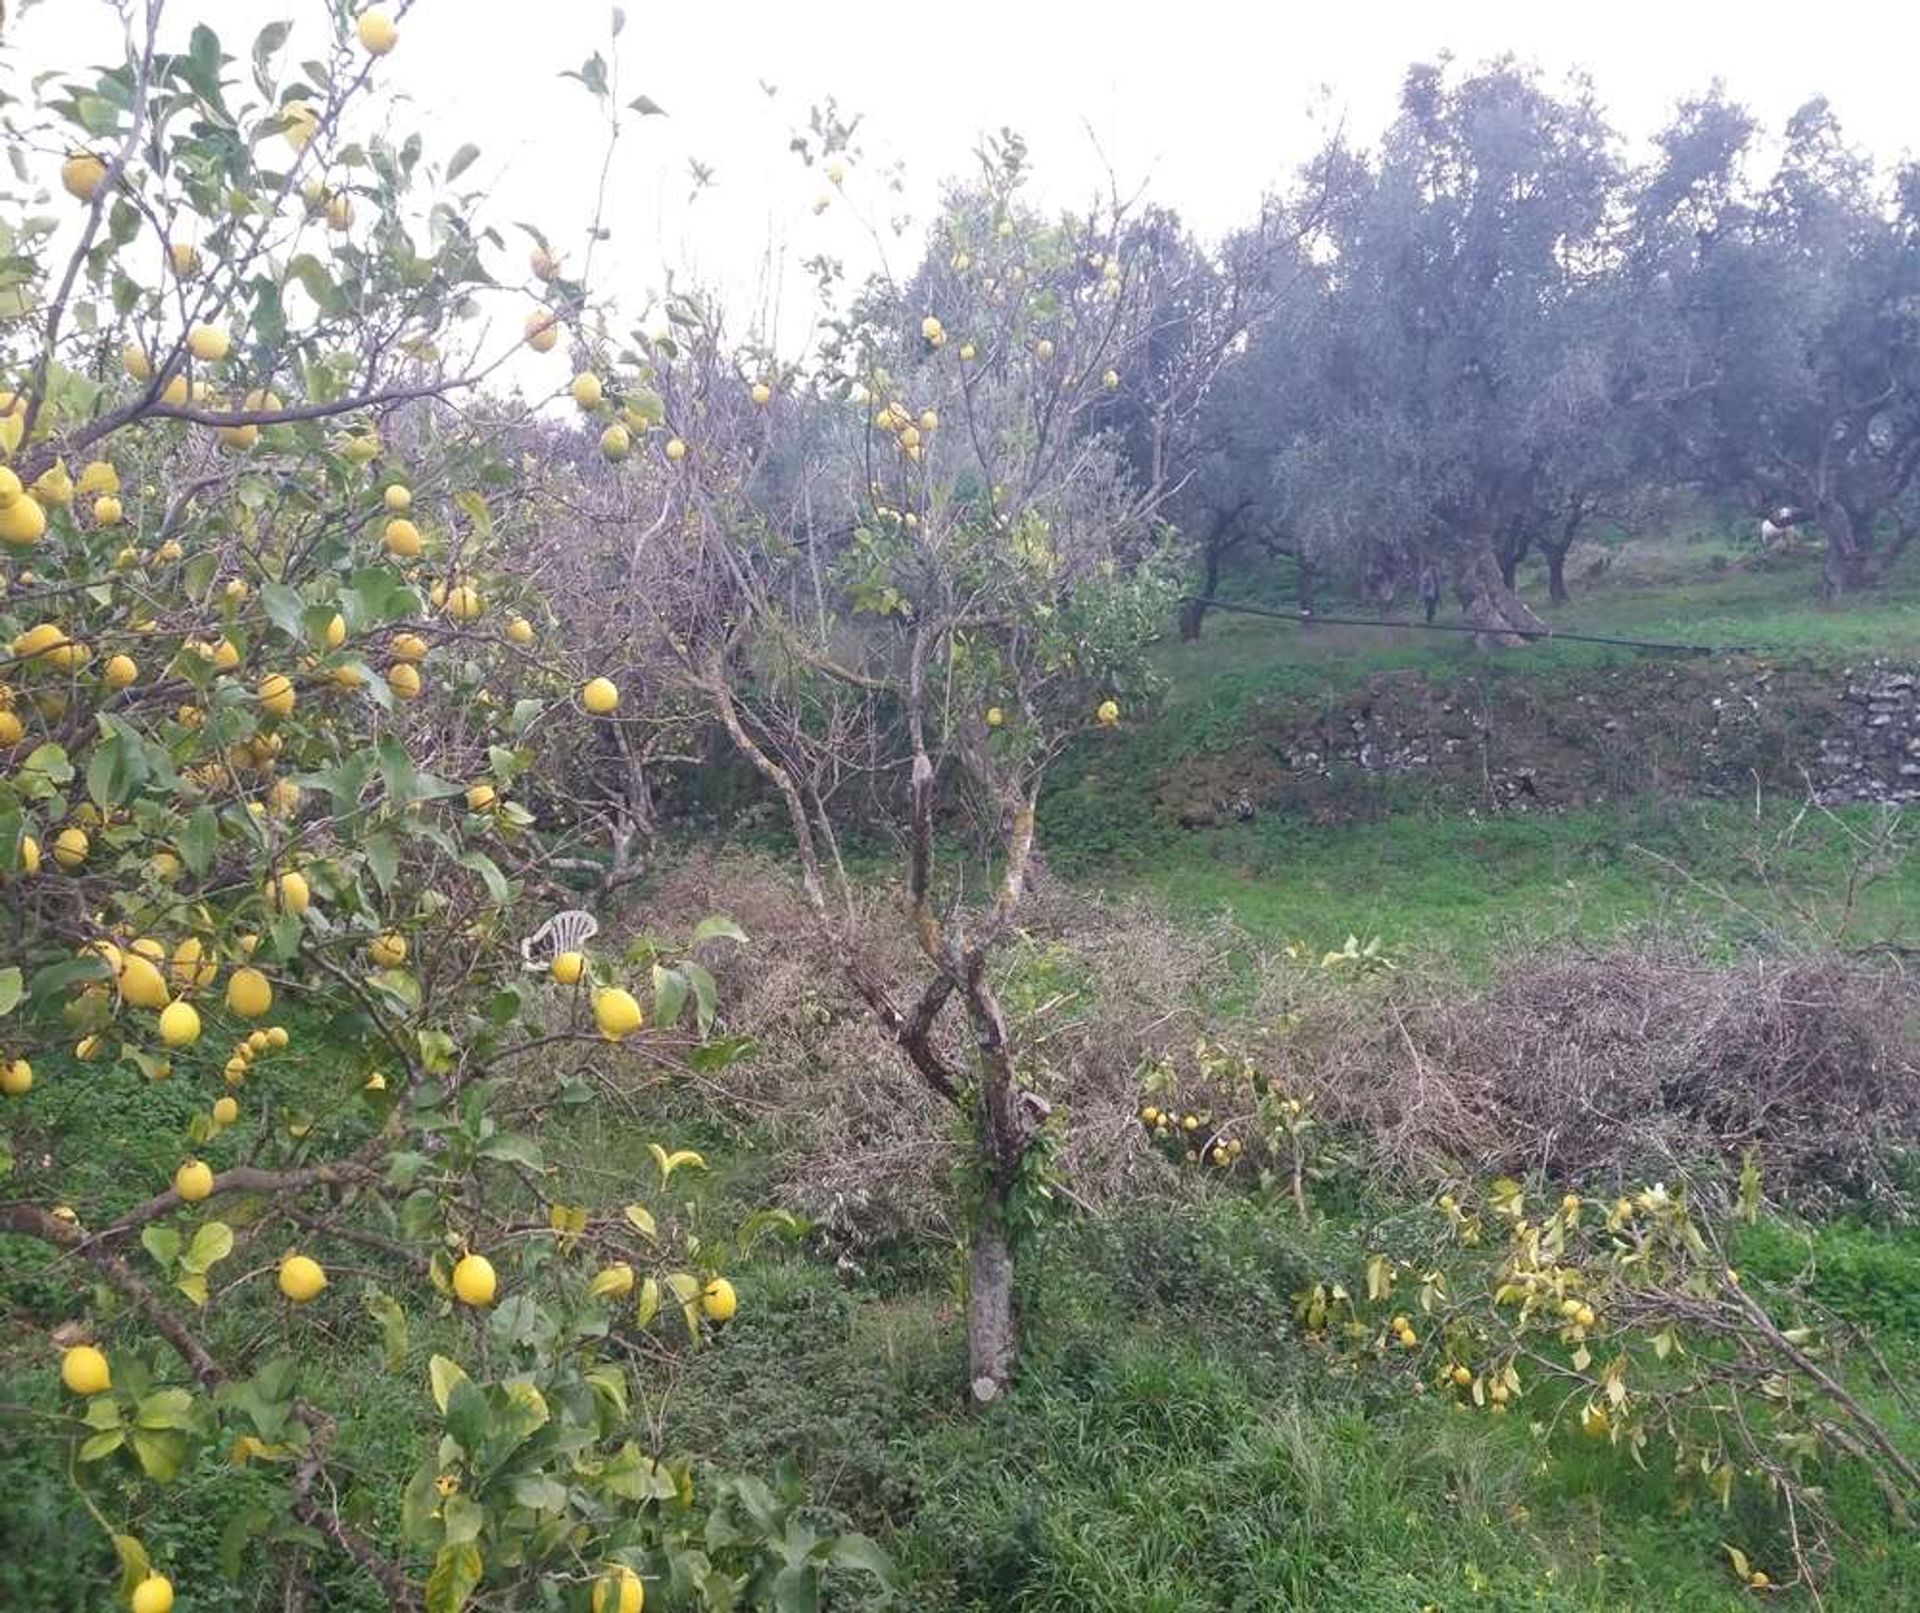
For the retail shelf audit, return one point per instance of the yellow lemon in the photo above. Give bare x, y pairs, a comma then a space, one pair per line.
137, 362
376, 31
108, 510
82, 174
600, 696
336, 631
404, 681
70, 847
154, 1594
464, 603
616, 443
473, 1280
995, 716
179, 1024
762, 394
16, 1078
185, 258
387, 951
84, 1370
120, 671
587, 390
520, 631
1107, 714
408, 647
568, 967
403, 539
301, 1278
276, 694
718, 1300
209, 343
480, 797
616, 1013
193, 1181
11, 728
543, 330
141, 982
619, 1590
398, 499
289, 893
226, 1110
23, 521
676, 449
248, 993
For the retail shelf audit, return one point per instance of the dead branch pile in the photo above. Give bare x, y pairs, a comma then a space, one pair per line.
1629, 1064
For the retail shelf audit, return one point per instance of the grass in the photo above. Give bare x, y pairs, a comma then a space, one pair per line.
1170, 1447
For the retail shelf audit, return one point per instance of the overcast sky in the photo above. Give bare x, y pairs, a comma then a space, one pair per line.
1209, 103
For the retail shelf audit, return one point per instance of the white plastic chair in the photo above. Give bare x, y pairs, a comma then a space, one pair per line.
564, 932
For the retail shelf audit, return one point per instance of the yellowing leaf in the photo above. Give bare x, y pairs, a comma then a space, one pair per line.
444, 1375
641, 1219
669, 1163
649, 1305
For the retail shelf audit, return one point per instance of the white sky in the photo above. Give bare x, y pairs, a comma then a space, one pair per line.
1209, 102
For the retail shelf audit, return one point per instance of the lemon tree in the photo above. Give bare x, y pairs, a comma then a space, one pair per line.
268, 702
916, 561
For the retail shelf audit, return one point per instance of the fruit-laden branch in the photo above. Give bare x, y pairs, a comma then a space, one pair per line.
241, 1179
211, 1375
148, 407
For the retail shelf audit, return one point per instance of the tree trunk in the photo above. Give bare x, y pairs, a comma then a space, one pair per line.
1845, 569
1303, 588
993, 1336
1193, 613
1005, 1130
1490, 605
1556, 574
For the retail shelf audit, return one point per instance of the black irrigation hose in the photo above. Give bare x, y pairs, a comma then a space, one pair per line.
1309, 618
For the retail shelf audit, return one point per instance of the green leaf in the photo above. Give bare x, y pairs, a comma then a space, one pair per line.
103, 1444
211, 1244
395, 1335
165, 1408
11, 989
539, 1493
245, 1526
161, 1454
463, 1518
461, 161
706, 995
456, 1572
718, 928
489, 872
49, 763
285, 608
467, 1416
134, 1565
163, 1243
669, 996
514, 1149
647, 107
198, 839
383, 859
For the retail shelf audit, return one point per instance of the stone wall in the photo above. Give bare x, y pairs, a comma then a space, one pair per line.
1873, 754
1505, 740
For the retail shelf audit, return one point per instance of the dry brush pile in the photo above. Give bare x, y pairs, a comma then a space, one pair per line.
1619, 1066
